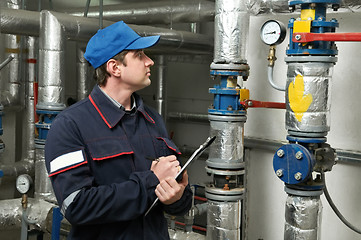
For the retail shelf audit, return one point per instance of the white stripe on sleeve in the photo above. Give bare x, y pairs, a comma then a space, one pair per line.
66, 160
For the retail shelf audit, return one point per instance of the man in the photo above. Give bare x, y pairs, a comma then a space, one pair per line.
97, 150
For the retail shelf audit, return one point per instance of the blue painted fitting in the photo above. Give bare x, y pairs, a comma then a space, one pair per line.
319, 25
297, 2
45, 120
226, 98
293, 163
1, 173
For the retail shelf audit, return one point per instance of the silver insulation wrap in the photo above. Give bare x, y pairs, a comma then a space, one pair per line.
51, 64
37, 211
303, 218
226, 152
13, 73
85, 75
43, 187
181, 235
308, 97
223, 220
257, 7
231, 30
152, 12
28, 149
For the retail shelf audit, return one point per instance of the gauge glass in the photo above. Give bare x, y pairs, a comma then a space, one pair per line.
23, 183
273, 32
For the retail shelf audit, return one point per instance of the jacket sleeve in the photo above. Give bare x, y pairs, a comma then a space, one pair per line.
81, 199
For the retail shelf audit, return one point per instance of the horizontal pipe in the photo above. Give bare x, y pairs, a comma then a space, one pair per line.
152, 12
343, 156
81, 29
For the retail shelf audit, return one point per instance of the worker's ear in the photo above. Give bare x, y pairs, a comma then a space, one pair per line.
113, 68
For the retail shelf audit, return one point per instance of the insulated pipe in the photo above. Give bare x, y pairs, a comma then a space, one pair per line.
85, 75
231, 32
257, 7
152, 12
38, 211
303, 217
28, 149
81, 29
12, 74
43, 187
56, 27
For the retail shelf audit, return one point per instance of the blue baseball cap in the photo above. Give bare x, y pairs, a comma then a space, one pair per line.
110, 41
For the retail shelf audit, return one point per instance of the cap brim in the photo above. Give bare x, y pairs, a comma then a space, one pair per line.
143, 42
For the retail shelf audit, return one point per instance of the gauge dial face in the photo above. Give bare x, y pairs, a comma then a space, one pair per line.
23, 183
273, 32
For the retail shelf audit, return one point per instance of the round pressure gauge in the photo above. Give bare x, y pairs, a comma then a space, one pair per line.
273, 32
23, 183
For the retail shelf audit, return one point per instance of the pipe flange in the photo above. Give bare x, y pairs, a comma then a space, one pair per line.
227, 172
227, 118
220, 164
303, 193
329, 59
218, 194
51, 106
307, 134
230, 66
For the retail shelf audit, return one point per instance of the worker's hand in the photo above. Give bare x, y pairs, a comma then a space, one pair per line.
169, 190
166, 167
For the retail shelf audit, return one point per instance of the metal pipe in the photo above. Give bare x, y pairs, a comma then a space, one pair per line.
28, 149
12, 85
303, 217
85, 73
161, 94
100, 14
43, 187
37, 211
311, 75
152, 12
87, 8
6, 61
231, 31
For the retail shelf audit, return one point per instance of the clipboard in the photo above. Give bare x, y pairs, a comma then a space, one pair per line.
194, 156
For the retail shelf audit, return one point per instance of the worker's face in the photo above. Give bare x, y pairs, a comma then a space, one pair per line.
136, 70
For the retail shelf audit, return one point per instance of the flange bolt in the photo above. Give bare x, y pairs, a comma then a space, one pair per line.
298, 37
298, 176
280, 153
299, 155
279, 173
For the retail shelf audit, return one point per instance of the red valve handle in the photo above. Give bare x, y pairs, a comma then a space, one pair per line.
333, 37
260, 104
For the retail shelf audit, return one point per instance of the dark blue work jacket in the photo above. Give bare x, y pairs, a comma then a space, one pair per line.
96, 158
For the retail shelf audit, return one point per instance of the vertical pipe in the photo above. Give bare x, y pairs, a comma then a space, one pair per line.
161, 88
85, 80
303, 217
51, 54
29, 113
231, 31
11, 89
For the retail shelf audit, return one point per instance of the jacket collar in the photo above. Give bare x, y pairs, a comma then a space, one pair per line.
110, 114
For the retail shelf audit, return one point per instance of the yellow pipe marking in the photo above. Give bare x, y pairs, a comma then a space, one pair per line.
299, 101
